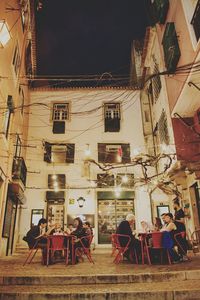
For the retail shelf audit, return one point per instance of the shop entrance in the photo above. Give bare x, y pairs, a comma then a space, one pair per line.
111, 212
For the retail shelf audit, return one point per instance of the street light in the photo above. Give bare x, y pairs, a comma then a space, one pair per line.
4, 33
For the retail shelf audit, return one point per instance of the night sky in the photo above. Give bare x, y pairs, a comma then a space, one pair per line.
77, 37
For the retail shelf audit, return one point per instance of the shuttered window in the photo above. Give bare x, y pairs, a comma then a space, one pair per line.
196, 21
171, 47
59, 153
113, 153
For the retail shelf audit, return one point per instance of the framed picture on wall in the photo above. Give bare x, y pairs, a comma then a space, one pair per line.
162, 209
36, 215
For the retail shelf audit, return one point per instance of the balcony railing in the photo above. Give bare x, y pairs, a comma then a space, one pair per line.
171, 47
19, 170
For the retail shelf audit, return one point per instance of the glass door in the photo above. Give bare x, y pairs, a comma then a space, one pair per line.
110, 214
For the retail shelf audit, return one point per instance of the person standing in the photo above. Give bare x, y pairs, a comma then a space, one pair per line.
179, 216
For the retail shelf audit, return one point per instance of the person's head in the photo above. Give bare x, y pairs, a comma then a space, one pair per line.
163, 217
157, 222
168, 218
144, 224
42, 223
70, 226
130, 218
78, 222
86, 225
176, 204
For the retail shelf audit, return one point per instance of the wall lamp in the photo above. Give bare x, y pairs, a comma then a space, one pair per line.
4, 33
80, 201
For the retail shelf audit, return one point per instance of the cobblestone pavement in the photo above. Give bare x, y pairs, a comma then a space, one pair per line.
13, 266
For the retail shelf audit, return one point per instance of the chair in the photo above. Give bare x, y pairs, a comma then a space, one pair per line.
84, 247
32, 253
118, 240
56, 243
157, 243
180, 240
195, 237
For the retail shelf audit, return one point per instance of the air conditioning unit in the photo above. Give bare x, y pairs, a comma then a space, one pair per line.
197, 121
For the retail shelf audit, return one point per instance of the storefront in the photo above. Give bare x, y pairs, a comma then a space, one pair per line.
111, 211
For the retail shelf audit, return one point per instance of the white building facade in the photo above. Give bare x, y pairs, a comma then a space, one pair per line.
72, 135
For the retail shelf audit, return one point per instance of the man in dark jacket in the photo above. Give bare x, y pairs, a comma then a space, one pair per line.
35, 233
125, 228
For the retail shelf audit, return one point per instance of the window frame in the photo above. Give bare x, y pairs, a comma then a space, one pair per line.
60, 115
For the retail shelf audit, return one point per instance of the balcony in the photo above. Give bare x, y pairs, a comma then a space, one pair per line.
171, 47
19, 170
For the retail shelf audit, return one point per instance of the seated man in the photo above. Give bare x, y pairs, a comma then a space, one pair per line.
125, 228
37, 233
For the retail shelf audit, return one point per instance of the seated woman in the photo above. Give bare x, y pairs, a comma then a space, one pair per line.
79, 232
168, 243
157, 224
88, 228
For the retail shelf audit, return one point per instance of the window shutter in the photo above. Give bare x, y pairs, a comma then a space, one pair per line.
70, 153
101, 152
59, 127
47, 153
126, 153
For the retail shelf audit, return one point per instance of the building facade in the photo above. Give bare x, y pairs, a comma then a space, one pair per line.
80, 164
16, 62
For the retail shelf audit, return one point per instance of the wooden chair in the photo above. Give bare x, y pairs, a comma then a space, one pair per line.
157, 244
84, 247
57, 243
120, 244
32, 253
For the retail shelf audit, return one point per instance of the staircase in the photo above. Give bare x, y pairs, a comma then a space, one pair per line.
104, 280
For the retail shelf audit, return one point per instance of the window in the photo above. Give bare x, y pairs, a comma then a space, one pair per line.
171, 47
24, 13
59, 153
105, 180
113, 153
16, 60
156, 82
196, 20
56, 181
163, 129
60, 111
112, 117
125, 180
9, 110
28, 61
21, 99
36, 215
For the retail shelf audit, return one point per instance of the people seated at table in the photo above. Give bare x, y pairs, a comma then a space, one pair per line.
125, 228
157, 224
57, 230
145, 227
88, 228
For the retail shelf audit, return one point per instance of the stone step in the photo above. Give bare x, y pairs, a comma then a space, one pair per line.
176, 290
64, 280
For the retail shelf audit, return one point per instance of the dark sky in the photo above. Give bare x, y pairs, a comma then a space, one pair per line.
87, 36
